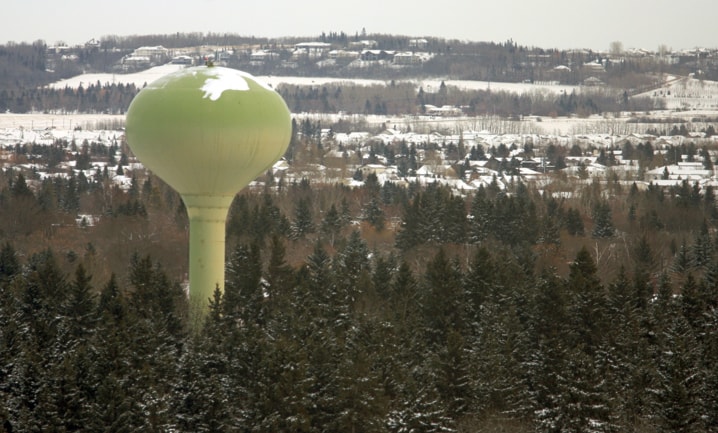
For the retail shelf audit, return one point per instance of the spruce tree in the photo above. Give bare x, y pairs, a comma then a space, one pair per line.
442, 299
280, 279
331, 224
9, 263
602, 221
243, 293
678, 377
303, 223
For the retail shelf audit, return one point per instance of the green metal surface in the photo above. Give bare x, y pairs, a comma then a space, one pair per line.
208, 132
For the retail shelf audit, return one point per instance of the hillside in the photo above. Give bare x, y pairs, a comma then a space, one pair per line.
373, 57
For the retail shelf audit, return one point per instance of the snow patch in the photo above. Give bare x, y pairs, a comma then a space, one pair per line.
227, 79
223, 79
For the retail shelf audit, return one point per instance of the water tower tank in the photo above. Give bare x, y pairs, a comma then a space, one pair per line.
208, 131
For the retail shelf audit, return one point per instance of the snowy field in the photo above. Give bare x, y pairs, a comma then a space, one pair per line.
27, 125
139, 79
40, 121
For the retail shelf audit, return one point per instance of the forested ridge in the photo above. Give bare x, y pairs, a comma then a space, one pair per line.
28, 68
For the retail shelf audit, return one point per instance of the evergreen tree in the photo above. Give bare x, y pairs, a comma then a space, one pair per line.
331, 224
404, 296
676, 398
408, 235
628, 352
111, 303
243, 294
602, 221
202, 394
374, 214
280, 278
20, 189
453, 380
80, 305
682, 261
382, 275
574, 222
352, 265
586, 303
481, 216
303, 223
701, 252
9, 263
359, 395
442, 299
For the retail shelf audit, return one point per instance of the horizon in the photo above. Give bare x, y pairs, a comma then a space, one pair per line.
562, 25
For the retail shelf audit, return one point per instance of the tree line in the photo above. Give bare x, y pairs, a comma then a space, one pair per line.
107, 98
403, 98
395, 99
354, 341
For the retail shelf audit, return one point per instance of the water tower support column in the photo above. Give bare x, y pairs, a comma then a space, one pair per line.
207, 222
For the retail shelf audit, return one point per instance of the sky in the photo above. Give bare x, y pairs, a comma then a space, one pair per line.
562, 24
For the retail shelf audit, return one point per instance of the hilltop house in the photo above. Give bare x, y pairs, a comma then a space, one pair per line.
407, 58
363, 44
260, 56
311, 49
420, 43
156, 55
375, 55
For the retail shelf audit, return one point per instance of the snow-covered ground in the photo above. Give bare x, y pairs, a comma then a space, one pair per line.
139, 79
42, 121
687, 93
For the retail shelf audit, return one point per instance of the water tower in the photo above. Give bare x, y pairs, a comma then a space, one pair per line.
207, 131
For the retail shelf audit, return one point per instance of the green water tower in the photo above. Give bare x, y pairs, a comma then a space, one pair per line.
208, 131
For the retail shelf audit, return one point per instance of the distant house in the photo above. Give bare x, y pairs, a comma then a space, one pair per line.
374, 55
135, 62
691, 171
378, 169
57, 49
418, 43
343, 54
593, 82
311, 49
262, 56
446, 110
182, 60
368, 44
407, 58
594, 67
92, 43
156, 55
441, 170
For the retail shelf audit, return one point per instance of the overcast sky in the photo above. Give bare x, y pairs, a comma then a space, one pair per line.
677, 24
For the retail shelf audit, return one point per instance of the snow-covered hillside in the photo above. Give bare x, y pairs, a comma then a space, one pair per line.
139, 79
687, 93
145, 77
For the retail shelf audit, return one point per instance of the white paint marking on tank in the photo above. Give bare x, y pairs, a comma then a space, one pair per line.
223, 79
